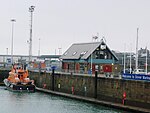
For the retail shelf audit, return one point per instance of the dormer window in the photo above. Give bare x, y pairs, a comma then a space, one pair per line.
83, 53
97, 49
74, 53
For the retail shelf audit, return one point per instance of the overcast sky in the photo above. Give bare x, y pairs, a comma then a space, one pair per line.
60, 23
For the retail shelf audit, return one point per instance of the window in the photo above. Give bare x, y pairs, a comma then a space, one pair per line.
102, 52
74, 53
83, 53
103, 47
97, 49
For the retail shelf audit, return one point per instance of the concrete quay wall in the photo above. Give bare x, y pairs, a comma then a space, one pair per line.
3, 74
107, 89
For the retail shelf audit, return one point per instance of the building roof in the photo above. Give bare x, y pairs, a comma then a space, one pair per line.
49, 56
83, 50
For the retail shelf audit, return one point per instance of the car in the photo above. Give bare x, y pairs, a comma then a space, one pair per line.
127, 71
139, 71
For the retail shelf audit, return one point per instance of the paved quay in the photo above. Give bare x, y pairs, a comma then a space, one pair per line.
95, 101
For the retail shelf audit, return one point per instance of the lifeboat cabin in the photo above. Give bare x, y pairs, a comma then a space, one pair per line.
83, 57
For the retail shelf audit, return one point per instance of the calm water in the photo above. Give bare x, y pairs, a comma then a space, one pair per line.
12, 102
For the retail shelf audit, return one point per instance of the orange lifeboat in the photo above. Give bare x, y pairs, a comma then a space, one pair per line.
18, 80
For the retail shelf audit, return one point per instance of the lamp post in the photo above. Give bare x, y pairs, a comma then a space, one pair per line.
59, 51
146, 62
6, 55
131, 60
13, 21
39, 48
136, 60
6, 51
31, 9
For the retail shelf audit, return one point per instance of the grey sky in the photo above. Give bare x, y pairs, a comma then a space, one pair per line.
60, 23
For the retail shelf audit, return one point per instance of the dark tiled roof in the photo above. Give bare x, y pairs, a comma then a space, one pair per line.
82, 50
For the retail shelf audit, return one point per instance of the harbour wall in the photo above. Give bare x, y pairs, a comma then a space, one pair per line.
106, 89
3, 74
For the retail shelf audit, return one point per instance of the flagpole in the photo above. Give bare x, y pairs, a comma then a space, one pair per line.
146, 61
136, 63
130, 59
124, 67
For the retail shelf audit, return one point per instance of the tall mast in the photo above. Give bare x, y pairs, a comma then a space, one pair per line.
13, 21
31, 9
136, 61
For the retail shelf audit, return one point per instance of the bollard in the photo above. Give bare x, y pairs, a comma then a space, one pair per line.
72, 89
85, 88
44, 86
124, 98
85, 93
59, 86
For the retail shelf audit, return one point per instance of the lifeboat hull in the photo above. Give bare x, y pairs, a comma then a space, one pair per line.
20, 87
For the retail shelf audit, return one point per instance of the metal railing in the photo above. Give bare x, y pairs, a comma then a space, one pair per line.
78, 72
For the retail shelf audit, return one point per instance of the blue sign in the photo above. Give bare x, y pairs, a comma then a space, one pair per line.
53, 67
9, 60
136, 77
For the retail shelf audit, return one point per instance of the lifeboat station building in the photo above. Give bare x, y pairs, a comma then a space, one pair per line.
83, 57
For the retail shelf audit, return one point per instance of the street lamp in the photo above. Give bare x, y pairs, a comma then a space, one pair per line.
6, 57
39, 48
31, 9
6, 51
59, 51
13, 21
